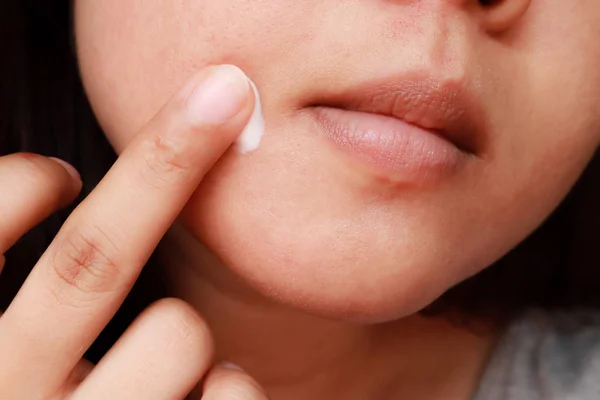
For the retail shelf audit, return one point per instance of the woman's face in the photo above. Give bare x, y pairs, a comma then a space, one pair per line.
340, 212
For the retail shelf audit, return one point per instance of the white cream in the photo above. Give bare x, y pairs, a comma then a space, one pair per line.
250, 138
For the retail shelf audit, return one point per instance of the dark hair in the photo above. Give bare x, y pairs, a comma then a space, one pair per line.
43, 109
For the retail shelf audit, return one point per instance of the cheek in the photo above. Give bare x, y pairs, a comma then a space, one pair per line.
134, 54
548, 113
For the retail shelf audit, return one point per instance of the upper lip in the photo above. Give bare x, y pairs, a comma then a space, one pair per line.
447, 108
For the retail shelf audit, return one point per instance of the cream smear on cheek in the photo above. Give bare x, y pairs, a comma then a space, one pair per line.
251, 136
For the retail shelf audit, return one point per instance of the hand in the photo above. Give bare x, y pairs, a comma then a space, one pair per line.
88, 269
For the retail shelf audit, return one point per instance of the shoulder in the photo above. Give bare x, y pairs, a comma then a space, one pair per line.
546, 355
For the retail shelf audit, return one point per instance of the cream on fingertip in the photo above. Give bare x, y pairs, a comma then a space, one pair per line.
250, 138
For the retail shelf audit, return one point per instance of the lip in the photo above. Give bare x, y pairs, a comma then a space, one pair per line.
416, 129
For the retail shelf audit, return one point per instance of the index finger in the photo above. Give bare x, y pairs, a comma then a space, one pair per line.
85, 274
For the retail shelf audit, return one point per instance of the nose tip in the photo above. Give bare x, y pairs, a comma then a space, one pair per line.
499, 15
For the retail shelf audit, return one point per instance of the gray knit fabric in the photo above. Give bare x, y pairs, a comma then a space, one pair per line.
546, 356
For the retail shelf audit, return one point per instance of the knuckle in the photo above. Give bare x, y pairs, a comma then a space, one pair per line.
165, 161
80, 263
188, 331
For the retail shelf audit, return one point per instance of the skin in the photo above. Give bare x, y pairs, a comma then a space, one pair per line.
290, 253
323, 225
288, 235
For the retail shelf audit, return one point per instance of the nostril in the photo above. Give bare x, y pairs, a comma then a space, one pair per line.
487, 3
500, 15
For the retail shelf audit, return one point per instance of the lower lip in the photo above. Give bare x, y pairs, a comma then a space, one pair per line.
392, 146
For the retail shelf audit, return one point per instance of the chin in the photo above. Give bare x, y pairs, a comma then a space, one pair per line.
327, 277
300, 233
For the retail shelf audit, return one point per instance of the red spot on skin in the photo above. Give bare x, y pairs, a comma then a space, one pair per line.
27, 155
406, 23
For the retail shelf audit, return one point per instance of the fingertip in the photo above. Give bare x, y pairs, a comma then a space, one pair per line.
49, 174
75, 179
227, 380
219, 95
69, 168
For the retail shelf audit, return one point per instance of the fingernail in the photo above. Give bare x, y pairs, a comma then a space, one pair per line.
219, 97
70, 169
230, 365
252, 135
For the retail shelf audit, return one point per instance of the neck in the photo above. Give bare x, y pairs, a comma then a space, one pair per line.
295, 355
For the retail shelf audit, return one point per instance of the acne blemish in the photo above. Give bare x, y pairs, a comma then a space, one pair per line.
250, 138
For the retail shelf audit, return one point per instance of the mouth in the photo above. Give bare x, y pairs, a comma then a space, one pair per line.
412, 129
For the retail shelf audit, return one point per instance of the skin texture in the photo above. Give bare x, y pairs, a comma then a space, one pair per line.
286, 248
294, 220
